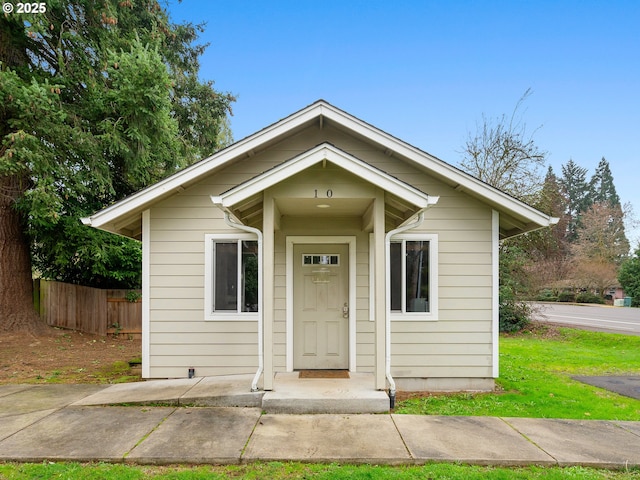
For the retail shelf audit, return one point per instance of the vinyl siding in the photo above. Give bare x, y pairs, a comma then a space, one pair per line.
456, 344
179, 337
459, 342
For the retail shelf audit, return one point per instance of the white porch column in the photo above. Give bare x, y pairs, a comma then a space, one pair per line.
380, 295
268, 259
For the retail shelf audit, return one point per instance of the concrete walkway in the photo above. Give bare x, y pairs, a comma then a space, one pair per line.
90, 423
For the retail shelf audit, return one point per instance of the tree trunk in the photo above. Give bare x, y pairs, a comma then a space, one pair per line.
16, 284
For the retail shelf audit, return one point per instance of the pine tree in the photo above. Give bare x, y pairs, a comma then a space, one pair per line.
602, 186
577, 194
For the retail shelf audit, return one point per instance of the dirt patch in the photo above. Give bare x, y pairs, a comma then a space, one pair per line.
66, 356
547, 331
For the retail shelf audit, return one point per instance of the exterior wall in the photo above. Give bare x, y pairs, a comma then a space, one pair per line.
459, 343
456, 345
179, 337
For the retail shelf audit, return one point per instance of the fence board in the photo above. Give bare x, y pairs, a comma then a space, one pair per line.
87, 309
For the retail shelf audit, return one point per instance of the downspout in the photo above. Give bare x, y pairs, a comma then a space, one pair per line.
387, 278
227, 218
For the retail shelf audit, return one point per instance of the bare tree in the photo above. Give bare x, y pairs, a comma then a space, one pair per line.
594, 274
599, 249
601, 235
503, 154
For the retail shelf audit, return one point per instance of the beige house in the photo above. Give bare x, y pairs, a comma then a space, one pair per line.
322, 242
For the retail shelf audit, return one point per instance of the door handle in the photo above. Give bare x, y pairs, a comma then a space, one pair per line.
345, 310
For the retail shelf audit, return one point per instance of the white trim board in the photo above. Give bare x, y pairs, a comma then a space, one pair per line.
146, 293
495, 292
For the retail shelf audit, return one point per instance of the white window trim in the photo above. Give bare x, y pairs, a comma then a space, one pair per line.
209, 314
431, 315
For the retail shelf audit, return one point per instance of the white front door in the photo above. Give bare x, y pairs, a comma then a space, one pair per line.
320, 306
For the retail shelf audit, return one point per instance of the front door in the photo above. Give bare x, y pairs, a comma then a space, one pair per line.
320, 306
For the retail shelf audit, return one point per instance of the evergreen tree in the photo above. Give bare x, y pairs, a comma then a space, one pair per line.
98, 98
547, 249
576, 191
602, 187
553, 243
629, 277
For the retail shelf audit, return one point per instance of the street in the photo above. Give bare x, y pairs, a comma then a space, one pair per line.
590, 317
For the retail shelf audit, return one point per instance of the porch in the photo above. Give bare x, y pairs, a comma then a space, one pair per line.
291, 394
355, 394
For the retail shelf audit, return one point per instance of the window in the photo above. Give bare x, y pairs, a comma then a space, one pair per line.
413, 260
320, 259
231, 277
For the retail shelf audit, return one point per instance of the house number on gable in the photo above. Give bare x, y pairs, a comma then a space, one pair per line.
328, 193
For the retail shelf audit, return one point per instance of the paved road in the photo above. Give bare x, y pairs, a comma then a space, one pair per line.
591, 317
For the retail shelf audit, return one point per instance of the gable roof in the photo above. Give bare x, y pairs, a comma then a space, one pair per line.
516, 217
326, 152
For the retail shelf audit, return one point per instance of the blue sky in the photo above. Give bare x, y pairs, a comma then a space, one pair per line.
427, 71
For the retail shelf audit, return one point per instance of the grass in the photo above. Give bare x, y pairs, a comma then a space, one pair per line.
535, 381
115, 372
282, 470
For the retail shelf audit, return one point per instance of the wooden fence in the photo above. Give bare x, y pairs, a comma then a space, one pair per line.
90, 310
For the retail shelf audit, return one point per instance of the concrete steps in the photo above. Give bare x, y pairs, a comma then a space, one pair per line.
325, 395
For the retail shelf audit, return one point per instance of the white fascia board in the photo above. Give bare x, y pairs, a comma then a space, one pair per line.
466, 181
316, 155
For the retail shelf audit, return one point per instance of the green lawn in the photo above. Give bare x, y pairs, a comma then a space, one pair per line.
535, 378
302, 471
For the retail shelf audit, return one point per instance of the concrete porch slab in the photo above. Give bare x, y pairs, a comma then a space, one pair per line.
11, 389
357, 394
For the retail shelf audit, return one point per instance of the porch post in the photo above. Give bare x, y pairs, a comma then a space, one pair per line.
380, 294
268, 259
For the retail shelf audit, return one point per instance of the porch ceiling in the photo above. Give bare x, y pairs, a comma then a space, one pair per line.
397, 210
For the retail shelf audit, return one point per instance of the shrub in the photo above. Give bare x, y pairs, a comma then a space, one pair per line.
588, 297
514, 315
566, 297
547, 295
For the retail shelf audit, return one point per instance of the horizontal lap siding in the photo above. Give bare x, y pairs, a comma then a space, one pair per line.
179, 337
456, 345
365, 336
280, 305
459, 342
